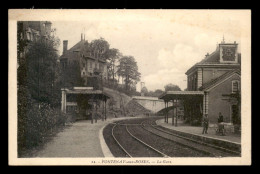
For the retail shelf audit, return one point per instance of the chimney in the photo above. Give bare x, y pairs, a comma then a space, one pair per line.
65, 46
81, 37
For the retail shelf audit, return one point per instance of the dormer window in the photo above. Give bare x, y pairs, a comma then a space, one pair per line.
228, 53
235, 86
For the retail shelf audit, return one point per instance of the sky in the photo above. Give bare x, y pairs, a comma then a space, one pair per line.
164, 44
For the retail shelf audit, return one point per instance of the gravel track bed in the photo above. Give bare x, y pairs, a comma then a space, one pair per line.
136, 121
215, 152
111, 143
166, 146
170, 145
182, 142
132, 146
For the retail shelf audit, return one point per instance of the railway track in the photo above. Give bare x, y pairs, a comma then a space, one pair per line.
119, 143
210, 149
145, 146
143, 138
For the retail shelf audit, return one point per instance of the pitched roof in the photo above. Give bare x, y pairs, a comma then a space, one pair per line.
220, 78
87, 91
213, 58
180, 94
81, 46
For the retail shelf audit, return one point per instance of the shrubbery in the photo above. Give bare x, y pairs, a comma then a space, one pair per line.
39, 95
35, 123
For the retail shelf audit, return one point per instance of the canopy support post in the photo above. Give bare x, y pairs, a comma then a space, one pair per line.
167, 112
105, 109
173, 113
164, 111
176, 115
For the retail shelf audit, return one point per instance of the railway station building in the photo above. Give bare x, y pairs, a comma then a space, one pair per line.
213, 86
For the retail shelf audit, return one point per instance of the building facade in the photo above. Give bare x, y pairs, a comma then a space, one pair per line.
89, 64
218, 75
34, 30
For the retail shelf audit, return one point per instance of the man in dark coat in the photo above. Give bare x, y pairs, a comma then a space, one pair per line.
220, 124
220, 118
205, 123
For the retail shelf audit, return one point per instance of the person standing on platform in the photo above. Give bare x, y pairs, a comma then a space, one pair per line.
221, 124
205, 123
92, 113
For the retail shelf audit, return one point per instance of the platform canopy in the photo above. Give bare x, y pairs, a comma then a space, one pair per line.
96, 94
171, 95
85, 92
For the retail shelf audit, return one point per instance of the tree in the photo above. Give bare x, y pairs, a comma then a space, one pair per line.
155, 93
171, 87
113, 56
42, 69
38, 85
128, 70
99, 48
144, 90
158, 92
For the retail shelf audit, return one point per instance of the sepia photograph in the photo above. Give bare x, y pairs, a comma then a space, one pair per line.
129, 87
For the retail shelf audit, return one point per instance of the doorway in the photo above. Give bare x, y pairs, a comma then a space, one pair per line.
235, 114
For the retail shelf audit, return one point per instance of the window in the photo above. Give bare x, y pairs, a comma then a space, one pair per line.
28, 35
31, 36
90, 65
235, 86
84, 65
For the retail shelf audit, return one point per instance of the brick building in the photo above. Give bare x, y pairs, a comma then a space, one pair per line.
218, 75
213, 86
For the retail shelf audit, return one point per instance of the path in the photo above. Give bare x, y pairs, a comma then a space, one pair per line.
81, 139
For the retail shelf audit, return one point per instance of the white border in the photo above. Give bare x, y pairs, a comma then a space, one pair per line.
79, 15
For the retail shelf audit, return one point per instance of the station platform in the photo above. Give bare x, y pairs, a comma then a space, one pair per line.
80, 139
229, 141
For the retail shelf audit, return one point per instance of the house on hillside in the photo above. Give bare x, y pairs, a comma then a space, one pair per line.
89, 96
90, 65
213, 86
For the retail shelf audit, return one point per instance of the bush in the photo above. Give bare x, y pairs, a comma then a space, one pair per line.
35, 123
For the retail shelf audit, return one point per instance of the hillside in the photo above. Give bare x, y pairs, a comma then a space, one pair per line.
116, 105
123, 105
